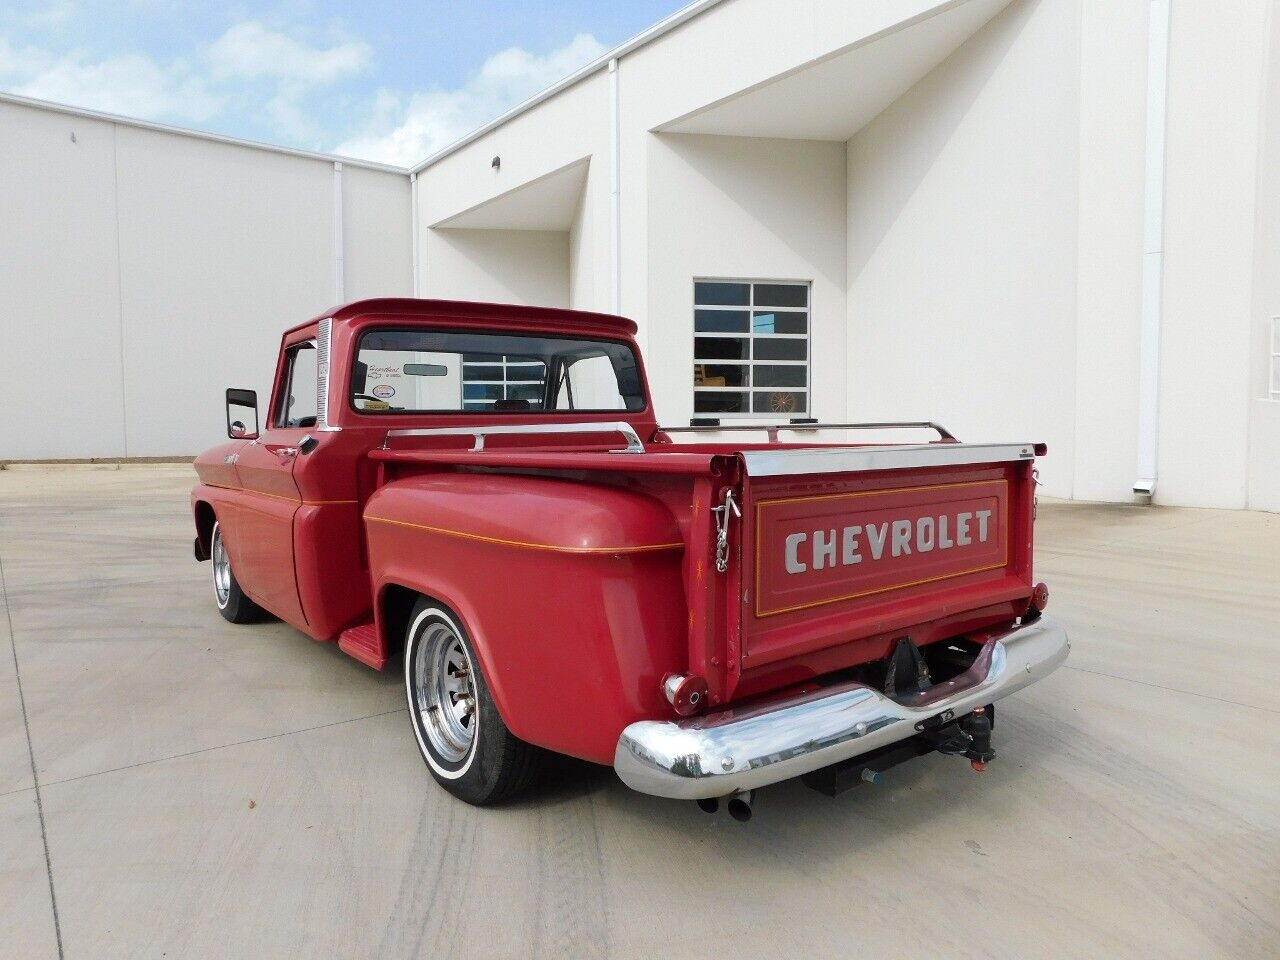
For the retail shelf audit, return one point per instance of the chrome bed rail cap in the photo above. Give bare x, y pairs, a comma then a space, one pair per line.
783, 463
479, 432
812, 426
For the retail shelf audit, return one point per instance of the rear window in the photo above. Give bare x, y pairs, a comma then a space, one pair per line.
443, 371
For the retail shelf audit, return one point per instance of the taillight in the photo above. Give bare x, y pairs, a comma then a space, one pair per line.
1040, 596
685, 694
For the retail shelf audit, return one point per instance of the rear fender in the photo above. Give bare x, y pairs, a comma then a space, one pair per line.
571, 594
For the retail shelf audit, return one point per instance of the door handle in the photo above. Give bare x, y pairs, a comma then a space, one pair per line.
285, 453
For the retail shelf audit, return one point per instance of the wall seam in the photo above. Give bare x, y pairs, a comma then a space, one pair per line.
1154, 214
413, 234
339, 239
115, 200
848, 285
1075, 287
1253, 395
615, 174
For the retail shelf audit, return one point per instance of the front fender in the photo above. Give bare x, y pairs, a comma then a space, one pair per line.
572, 594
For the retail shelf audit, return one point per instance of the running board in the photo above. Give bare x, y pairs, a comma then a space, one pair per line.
362, 643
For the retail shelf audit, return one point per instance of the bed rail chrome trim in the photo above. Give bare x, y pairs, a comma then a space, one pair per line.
480, 432
809, 460
742, 749
772, 429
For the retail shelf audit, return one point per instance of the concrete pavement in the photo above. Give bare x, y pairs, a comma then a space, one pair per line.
208, 791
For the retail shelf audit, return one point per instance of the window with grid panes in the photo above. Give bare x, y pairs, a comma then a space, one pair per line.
750, 348
490, 378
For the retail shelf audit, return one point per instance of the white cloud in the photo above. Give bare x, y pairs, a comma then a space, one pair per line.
249, 53
52, 15
131, 84
252, 71
248, 65
404, 130
249, 50
20, 61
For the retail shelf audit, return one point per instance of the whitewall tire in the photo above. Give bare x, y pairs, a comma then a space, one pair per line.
461, 736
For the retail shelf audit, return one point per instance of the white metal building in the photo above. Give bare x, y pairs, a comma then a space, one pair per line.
1054, 220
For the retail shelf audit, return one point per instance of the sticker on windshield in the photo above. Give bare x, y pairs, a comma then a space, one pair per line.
384, 391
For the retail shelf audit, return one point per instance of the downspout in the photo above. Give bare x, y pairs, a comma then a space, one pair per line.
413, 213
615, 191
339, 266
1153, 247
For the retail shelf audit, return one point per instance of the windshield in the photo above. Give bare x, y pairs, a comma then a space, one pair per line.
444, 371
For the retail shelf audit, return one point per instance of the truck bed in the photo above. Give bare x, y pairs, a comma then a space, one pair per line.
833, 552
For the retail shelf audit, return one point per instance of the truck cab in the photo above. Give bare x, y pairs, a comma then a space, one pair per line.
480, 495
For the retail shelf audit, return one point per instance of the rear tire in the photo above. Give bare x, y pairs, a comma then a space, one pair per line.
231, 600
460, 734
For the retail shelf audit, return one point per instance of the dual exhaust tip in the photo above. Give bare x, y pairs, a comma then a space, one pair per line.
738, 805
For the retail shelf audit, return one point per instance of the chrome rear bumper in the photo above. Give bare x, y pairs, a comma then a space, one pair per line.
742, 749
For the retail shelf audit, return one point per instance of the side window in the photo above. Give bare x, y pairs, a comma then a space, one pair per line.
298, 401
590, 383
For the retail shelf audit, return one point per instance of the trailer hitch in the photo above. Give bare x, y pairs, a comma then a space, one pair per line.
970, 736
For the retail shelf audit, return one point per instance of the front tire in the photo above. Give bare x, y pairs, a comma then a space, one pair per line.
231, 600
460, 734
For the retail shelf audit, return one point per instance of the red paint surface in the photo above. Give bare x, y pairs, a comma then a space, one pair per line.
858, 610
584, 576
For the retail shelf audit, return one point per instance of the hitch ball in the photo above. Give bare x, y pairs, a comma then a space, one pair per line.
977, 728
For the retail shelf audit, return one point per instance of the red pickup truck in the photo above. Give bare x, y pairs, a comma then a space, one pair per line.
480, 495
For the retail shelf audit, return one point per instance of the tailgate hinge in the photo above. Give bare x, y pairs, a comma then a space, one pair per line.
728, 508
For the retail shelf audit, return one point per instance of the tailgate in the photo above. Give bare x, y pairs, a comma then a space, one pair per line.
850, 546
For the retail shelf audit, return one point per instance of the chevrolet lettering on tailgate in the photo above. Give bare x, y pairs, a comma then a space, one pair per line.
925, 533
824, 549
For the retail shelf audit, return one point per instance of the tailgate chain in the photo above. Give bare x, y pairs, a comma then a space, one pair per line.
728, 504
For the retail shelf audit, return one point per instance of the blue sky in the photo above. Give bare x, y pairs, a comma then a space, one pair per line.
382, 81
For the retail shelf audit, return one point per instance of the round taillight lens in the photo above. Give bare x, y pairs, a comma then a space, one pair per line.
687, 695
1040, 596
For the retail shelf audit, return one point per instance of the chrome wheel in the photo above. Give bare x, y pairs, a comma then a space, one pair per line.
446, 701
221, 569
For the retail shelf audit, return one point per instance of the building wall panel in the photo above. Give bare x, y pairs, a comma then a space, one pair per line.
1216, 70
498, 266
222, 248
745, 208
61, 386
962, 242
1112, 177
377, 233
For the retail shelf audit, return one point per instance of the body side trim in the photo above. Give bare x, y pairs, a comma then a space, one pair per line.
551, 548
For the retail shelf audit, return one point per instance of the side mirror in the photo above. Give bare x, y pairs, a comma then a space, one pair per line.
242, 414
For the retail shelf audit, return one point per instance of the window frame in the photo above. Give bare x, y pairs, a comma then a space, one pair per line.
279, 420
553, 363
750, 335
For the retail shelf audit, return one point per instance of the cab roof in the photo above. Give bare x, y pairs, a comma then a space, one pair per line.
411, 308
